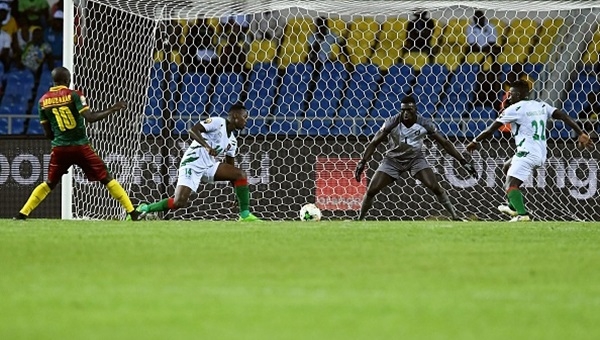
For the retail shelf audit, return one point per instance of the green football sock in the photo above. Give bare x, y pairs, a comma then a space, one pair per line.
164, 205
515, 197
243, 195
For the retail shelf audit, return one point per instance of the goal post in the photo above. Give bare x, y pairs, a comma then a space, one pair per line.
315, 98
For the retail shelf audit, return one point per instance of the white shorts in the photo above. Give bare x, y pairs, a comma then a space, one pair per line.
192, 174
521, 167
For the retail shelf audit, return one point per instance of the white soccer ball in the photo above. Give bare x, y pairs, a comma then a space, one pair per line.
310, 212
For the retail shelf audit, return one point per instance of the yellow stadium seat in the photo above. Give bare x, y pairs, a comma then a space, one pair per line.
294, 47
391, 41
548, 33
261, 51
361, 37
452, 43
500, 30
591, 55
521, 33
338, 26
416, 59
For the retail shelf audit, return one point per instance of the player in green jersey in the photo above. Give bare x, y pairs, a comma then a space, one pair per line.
63, 114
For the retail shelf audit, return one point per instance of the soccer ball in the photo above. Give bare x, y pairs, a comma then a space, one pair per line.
310, 212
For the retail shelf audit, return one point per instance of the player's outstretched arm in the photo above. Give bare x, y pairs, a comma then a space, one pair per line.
93, 117
583, 137
485, 134
380, 136
451, 150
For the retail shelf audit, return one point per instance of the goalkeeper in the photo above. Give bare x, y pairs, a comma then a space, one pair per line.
406, 132
211, 138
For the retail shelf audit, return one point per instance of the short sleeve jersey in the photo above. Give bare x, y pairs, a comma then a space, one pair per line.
529, 119
407, 142
62, 108
216, 136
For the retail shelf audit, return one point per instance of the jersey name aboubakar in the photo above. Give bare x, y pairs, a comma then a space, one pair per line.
216, 136
62, 108
529, 121
404, 142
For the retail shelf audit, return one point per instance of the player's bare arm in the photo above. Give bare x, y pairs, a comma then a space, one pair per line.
485, 134
451, 149
583, 137
96, 116
380, 136
196, 134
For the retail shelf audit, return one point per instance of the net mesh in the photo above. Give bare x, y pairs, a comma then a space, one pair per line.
318, 79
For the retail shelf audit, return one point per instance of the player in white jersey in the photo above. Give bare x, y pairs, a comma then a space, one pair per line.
529, 121
211, 137
405, 133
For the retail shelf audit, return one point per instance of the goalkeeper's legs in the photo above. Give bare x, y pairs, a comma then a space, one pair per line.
379, 181
427, 177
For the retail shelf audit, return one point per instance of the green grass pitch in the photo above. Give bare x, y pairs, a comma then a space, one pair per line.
299, 280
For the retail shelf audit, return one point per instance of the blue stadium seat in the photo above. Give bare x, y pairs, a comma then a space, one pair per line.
261, 92
255, 126
293, 89
18, 126
429, 85
283, 127
474, 128
395, 85
483, 113
316, 127
35, 128
577, 98
361, 89
226, 93
194, 94
21, 79
559, 130
328, 93
152, 126
450, 128
461, 89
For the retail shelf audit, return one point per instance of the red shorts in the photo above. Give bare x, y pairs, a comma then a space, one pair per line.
62, 157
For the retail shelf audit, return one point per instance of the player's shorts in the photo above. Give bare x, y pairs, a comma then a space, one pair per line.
396, 167
194, 173
522, 166
62, 157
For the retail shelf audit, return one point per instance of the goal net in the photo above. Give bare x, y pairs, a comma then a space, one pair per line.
318, 79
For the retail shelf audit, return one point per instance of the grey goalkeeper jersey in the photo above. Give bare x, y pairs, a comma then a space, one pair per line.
406, 142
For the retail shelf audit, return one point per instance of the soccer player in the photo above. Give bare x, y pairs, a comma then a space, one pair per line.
211, 138
528, 120
405, 133
63, 114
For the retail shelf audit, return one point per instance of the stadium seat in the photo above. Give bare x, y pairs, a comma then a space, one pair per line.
261, 92
483, 113
342, 127
520, 37
460, 90
559, 130
547, 34
428, 87
294, 46
255, 126
287, 127
395, 85
293, 90
152, 126
452, 44
391, 41
3, 126
317, 127
361, 39
591, 55
261, 51
450, 129
328, 93
35, 128
194, 94
226, 93
360, 93
577, 98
